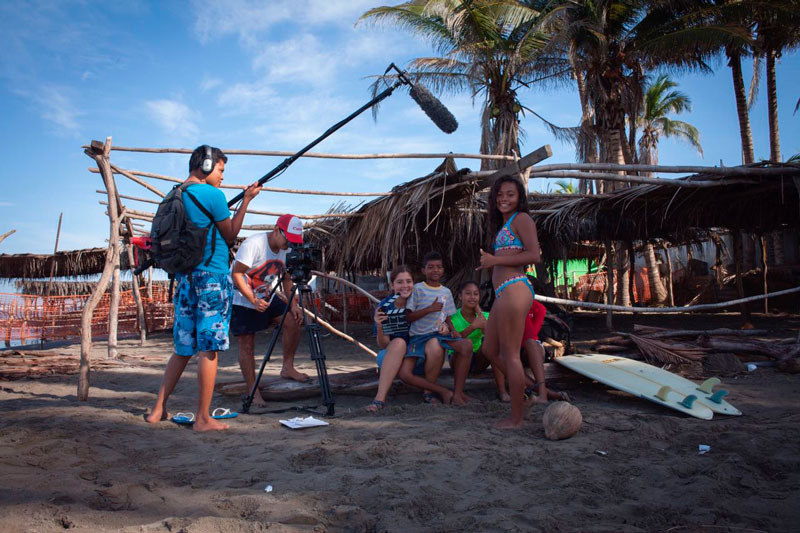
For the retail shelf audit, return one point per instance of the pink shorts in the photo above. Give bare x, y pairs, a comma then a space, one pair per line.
533, 322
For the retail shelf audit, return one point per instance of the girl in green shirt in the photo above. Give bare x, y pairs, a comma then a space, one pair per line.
470, 320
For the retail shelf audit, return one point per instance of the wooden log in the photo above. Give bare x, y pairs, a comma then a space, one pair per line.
277, 153
346, 282
172, 179
540, 154
136, 180
91, 303
672, 169
365, 383
663, 310
695, 332
765, 348
628, 178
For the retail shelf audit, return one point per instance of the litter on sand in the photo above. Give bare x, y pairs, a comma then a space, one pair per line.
300, 423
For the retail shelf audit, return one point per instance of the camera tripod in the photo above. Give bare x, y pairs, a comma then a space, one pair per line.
300, 290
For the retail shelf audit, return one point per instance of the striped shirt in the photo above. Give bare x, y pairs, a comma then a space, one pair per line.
423, 296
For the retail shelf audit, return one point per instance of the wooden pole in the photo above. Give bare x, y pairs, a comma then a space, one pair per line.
96, 152
764, 262
49, 288
7, 234
137, 297
737, 260
670, 278
632, 273
664, 310
609, 285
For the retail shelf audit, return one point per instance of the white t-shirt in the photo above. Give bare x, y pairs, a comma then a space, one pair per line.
264, 267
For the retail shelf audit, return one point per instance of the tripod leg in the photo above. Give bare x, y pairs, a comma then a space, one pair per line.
317, 353
247, 402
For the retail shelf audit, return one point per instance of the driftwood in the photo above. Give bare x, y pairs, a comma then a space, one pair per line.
751, 346
659, 333
100, 155
364, 383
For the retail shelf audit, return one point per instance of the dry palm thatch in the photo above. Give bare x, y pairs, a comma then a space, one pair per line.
438, 212
667, 353
645, 212
75, 263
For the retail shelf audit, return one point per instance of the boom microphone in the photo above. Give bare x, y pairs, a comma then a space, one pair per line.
436, 111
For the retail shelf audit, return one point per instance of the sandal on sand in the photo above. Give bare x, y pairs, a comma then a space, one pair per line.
430, 397
184, 419
376, 406
223, 412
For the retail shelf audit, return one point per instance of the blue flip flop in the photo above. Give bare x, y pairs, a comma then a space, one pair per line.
223, 412
183, 419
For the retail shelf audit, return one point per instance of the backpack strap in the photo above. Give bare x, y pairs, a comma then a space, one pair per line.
211, 223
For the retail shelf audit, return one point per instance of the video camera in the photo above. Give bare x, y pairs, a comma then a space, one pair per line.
301, 260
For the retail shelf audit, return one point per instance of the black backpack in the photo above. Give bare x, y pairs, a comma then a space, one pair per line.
177, 243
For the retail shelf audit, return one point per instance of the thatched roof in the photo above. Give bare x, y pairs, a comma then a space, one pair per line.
74, 263
443, 211
438, 212
676, 214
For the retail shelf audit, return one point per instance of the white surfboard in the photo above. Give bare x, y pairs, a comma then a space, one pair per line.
640, 379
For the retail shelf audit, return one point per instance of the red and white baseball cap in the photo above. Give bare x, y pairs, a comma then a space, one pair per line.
292, 228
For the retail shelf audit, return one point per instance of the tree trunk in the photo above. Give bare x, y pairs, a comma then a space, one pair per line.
745, 132
772, 107
777, 245
623, 274
748, 257
737, 261
670, 292
657, 289
587, 141
609, 284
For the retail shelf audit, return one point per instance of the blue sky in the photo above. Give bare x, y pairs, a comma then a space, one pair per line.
254, 75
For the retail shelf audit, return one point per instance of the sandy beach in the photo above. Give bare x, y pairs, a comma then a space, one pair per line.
634, 466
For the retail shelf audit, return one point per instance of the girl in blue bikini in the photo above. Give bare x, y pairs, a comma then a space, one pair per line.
515, 245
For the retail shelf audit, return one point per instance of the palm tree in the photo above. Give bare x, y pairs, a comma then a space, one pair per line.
661, 100
487, 47
778, 30
612, 44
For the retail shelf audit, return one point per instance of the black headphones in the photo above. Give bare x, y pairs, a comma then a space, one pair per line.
208, 161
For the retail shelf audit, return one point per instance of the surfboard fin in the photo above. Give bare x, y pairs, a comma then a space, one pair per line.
688, 401
708, 385
662, 393
718, 396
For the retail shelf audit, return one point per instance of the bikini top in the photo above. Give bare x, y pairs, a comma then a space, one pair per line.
506, 240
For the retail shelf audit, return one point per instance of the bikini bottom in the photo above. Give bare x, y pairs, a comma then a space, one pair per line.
510, 281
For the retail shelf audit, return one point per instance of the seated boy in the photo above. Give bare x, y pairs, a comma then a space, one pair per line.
432, 332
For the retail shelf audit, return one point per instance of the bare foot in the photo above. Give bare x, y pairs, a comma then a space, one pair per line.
504, 397
258, 401
460, 399
210, 425
508, 423
156, 415
447, 398
294, 374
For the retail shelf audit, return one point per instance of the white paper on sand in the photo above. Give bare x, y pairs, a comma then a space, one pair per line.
300, 423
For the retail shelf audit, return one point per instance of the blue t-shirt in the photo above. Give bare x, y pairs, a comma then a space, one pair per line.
215, 202
397, 325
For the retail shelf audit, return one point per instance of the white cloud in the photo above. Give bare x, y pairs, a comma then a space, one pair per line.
173, 117
6, 204
55, 106
210, 83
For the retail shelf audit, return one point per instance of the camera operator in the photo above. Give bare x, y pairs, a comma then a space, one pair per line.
259, 264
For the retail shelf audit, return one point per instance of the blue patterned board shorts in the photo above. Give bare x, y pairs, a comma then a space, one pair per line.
202, 312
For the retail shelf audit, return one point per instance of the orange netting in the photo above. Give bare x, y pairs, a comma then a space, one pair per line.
27, 318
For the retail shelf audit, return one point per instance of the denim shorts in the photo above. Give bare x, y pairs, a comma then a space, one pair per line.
419, 366
202, 304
